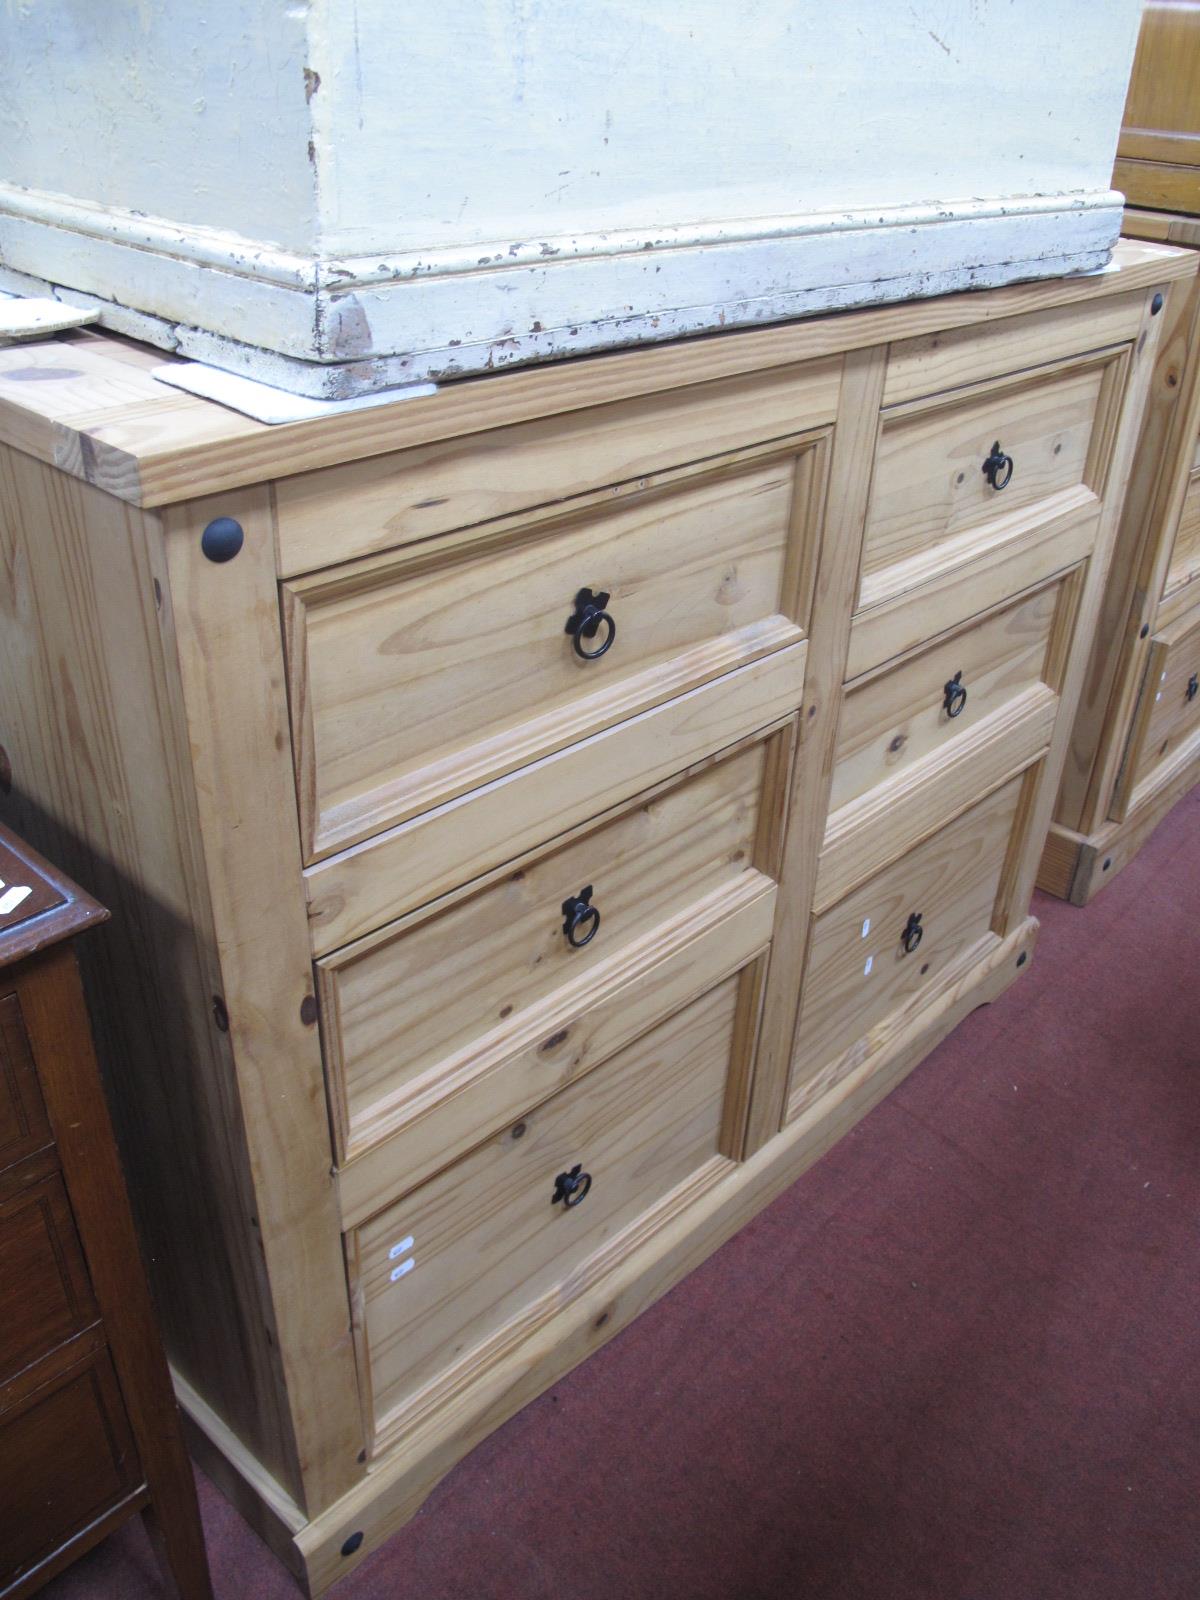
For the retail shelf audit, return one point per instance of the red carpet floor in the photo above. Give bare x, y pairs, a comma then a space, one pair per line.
959, 1360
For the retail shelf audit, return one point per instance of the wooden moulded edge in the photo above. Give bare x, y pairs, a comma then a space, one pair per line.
150, 445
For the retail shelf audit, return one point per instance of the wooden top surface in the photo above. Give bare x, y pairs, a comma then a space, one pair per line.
39, 906
86, 403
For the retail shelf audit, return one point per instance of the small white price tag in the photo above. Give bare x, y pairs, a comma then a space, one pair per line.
400, 1248
405, 1266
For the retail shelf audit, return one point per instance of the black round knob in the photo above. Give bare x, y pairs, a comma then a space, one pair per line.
222, 539
954, 695
998, 468
588, 619
581, 920
913, 933
1193, 686
572, 1187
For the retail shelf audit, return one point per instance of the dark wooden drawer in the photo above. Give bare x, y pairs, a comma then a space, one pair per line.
24, 1126
66, 1457
45, 1293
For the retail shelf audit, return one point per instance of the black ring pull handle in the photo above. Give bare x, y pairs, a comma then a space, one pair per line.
579, 912
955, 696
998, 468
587, 620
572, 1187
913, 933
1193, 688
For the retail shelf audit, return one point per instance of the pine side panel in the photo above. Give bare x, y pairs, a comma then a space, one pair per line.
231, 664
98, 777
1013, 903
1153, 501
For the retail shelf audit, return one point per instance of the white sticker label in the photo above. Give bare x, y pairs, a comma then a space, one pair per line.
869, 965
866, 927
13, 897
399, 1249
405, 1266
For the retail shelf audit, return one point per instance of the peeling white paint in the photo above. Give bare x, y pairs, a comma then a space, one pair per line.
395, 191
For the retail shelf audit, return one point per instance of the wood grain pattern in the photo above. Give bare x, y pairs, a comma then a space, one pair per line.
1122, 433
953, 357
489, 1247
95, 736
1154, 568
1085, 865
1161, 123
890, 721
141, 1424
1165, 717
734, 758
400, 1002
356, 891
1164, 185
1130, 606
1026, 552
45, 1292
24, 1127
929, 480
803, 823
458, 482
155, 445
67, 1457
403, 1477
506, 1072
889, 820
417, 677
1184, 566
225, 627
1161, 225
858, 970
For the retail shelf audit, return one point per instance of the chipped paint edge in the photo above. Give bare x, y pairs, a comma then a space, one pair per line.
337, 329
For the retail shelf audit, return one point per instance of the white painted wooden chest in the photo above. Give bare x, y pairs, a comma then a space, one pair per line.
340, 198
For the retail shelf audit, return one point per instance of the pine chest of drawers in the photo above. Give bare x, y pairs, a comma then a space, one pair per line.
539, 819
1135, 750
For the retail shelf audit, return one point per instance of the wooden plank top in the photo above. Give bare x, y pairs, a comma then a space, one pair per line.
39, 905
87, 404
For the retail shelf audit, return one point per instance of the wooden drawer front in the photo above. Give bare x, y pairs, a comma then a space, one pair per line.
356, 891
900, 718
932, 504
45, 1292
480, 1257
23, 1123
66, 1457
423, 675
412, 1013
858, 971
1185, 554
1168, 710
951, 358
905, 766
339, 513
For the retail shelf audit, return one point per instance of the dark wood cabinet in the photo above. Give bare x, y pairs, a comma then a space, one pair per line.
89, 1432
